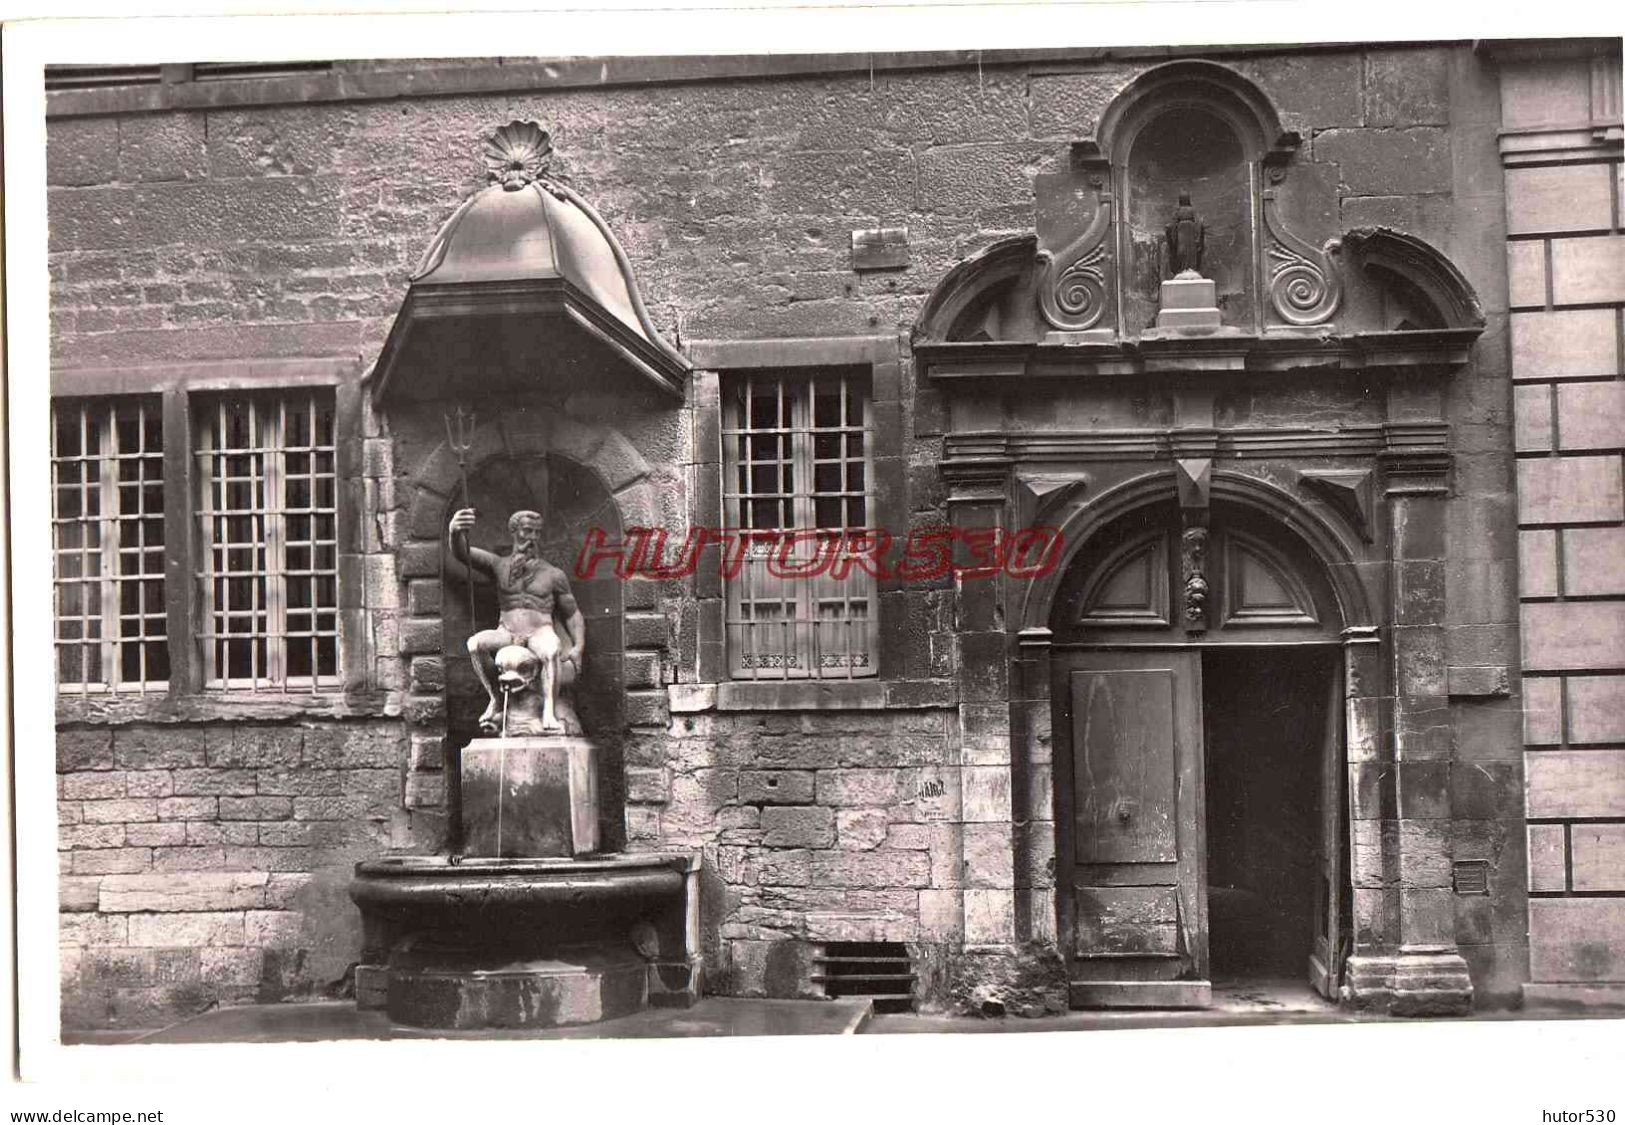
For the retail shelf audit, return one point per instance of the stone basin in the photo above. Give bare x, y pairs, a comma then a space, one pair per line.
526, 942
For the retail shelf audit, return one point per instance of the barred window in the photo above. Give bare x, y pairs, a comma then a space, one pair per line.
107, 535
797, 457
268, 541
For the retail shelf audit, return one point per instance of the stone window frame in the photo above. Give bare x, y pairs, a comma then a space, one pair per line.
881, 356
276, 437
178, 387
834, 650
93, 470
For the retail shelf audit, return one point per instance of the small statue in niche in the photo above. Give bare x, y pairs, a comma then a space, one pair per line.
531, 594
1185, 236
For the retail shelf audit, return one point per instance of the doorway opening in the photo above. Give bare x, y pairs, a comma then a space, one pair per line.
1269, 718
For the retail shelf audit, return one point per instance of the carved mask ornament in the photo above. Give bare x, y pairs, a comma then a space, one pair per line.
1193, 565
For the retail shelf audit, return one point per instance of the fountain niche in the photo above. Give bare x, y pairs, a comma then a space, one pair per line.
525, 918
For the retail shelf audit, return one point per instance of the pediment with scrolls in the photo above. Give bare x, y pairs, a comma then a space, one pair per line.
1081, 294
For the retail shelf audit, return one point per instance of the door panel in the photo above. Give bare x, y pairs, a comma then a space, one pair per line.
1117, 921
1124, 750
1132, 761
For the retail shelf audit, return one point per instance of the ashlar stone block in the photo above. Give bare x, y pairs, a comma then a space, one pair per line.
182, 892
1542, 711
1560, 198
1593, 561
1573, 635
1591, 415
1537, 563
206, 928
1532, 417
798, 826
1546, 858
1576, 939
1599, 856
1588, 271
986, 794
990, 916
1526, 273
1549, 92
1596, 709
1568, 342
1576, 783
1570, 490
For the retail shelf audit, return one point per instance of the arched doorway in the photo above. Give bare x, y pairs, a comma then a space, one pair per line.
1199, 759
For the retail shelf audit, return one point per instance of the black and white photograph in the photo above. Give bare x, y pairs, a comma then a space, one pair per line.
785, 545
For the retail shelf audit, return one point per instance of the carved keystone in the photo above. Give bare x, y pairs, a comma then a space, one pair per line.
1195, 476
1347, 490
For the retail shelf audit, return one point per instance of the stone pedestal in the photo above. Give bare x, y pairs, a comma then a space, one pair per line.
532, 797
1189, 301
1420, 982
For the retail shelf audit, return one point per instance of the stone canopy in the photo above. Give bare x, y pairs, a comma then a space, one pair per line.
524, 285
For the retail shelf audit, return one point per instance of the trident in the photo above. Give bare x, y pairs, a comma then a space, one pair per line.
460, 439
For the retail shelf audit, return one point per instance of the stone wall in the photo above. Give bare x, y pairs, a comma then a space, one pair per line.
251, 232
1566, 266
290, 229
827, 826
208, 865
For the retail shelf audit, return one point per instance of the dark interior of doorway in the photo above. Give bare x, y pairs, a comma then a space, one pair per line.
1265, 720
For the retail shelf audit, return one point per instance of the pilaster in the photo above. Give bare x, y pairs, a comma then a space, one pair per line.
977, 502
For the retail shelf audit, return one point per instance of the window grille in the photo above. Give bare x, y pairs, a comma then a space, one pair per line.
880, 970
268, 548
797, 457
107, 537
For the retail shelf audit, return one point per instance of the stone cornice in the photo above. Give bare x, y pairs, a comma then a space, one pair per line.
1423, 351
985, 454
167, 87
1574, 144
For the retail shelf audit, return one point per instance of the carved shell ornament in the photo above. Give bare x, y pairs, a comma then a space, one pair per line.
517, 154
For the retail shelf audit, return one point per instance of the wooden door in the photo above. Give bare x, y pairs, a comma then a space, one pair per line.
1326, 961
1136, 924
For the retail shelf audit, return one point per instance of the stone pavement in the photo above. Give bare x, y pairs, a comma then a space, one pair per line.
329, 1020
1250, 1004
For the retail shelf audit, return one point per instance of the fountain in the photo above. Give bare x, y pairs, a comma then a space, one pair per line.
528, 924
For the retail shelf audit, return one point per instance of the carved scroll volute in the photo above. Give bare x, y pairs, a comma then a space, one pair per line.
1304, 288
1193, 570
1075, 281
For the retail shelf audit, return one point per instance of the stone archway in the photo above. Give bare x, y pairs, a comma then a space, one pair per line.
1313, 560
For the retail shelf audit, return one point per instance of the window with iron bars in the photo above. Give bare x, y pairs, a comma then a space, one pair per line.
797, 457
267, 566
107, 535
264, 596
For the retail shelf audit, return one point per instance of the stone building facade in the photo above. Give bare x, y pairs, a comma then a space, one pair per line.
1393, 474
